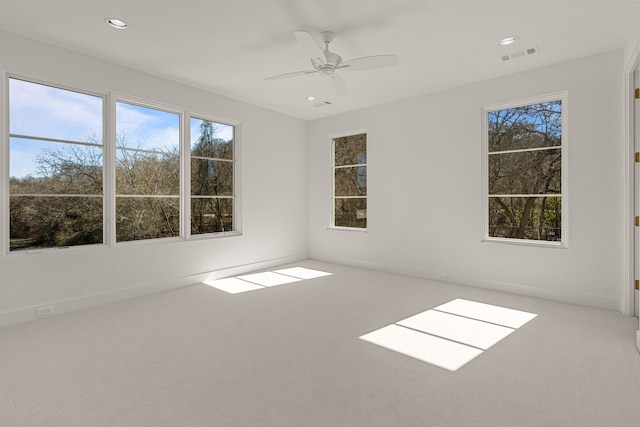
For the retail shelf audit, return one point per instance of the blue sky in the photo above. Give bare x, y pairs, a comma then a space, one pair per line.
38, 110
43, 111
147, 128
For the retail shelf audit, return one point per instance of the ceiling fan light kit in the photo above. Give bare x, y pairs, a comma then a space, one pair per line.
326, 63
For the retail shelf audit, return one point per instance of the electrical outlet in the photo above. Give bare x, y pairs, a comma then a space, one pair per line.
47, 310
441, 277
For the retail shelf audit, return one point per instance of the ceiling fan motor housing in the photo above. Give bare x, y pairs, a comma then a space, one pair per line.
333, 60
326, 70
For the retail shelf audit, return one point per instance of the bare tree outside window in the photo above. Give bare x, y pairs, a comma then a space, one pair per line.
56, 194
350, 181
524, 172
147, 173
212, 171
56, 169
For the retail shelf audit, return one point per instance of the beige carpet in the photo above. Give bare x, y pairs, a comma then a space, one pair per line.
290, 355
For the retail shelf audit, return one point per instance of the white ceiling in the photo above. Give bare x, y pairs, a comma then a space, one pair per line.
229, 47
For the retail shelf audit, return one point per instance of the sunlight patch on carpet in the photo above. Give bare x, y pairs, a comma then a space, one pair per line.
268, 279
452, 334
256, 281
302, 273
428, 348
487, 312
460, 329
232, 285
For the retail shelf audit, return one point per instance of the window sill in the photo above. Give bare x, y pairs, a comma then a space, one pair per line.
521, 242
214, 235
357, 230
57, 250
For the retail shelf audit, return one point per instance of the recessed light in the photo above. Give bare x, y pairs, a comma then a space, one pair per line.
508, 40
311, 98
117, 23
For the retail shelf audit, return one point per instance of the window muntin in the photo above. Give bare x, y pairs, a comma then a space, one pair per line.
212, 177
525, 171
56, 196
147, 171
350, 181
57, 165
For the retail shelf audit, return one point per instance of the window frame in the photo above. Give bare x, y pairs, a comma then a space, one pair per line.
5, 164
113, 149
237, 208
109, 149
564, 194
332, 168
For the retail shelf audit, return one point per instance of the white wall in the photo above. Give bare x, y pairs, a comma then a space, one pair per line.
424, 188
631, 47
274, 198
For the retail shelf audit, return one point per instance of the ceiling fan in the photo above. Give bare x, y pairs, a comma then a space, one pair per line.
327, 63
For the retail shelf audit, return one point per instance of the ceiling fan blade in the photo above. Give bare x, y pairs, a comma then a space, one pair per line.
336, 84
369, 63
311, 48
294, 74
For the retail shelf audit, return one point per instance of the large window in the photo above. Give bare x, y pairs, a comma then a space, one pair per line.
70, 180
147, 173
350, 181
55, 167
212, 172
525, 169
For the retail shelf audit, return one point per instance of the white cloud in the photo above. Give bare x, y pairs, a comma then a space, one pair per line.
163, 139
38, 110
147, 128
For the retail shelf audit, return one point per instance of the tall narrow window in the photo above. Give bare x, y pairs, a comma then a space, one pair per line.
212, 172
147, 173
525, 171
55, 167
350, 181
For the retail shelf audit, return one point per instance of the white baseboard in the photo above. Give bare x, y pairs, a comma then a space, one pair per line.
460, 279
87, 301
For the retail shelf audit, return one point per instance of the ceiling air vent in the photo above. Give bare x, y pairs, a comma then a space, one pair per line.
520, 53
321, 104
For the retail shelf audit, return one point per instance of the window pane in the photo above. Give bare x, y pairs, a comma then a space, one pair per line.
139, 218
211, 215
351, 181
212, 140
54, 176
146, 128
49, 222
350, 213
138, 172
211, 178
534, 218
42, 167
350, 150
528, 172
529, 126
49, 112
